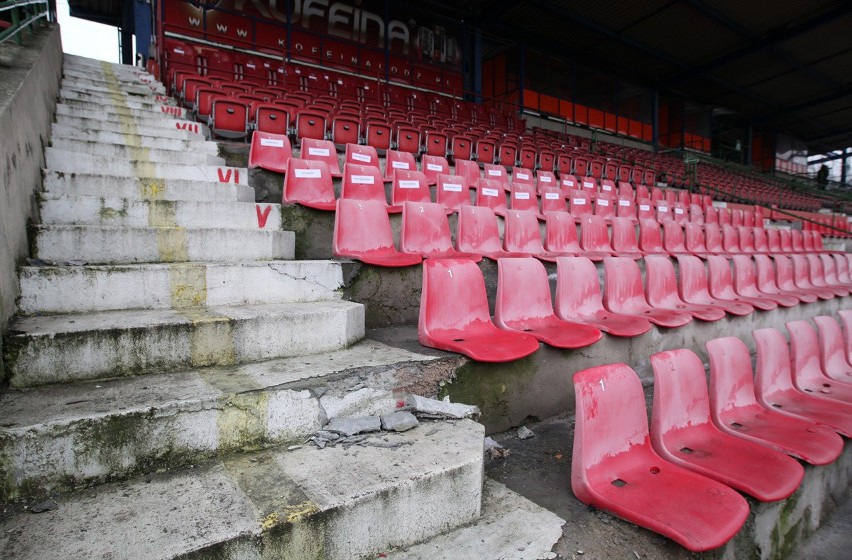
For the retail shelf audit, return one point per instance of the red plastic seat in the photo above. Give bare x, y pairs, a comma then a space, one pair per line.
522, 235
594, 238
625, 208
310, 124
229, 118
407, 139
644, 210
746, 240
830, 272
496, 173
761, 241
614, 467
408, 186
523, 197
552, 200
578, 298
377, 134
673, 238
802, 278
774, 386
477, 233
435, 143
469, 170
432, 166
545, 180
661, 291
832, 350
786, 283
807, 373
561, 234
490, 194
523, 304
485, 150
604, 206
579, 204
818, 278
394, 160
608, 187
663, 211
683, 433
568, 183
507, 153
624, 294
693, 287
363, 182
426, 232
713, 239
461, 148
624, 241
321, 150
362, 231
735, 409
745, 283
694, 240
345, 129
523, 176
721, 285
650, 238
454, 315
269, 117
308, 183
361, 155
730, 240
452, 192
270, 151
589, 184
766, 282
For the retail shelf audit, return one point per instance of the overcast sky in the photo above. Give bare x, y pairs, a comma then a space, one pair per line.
85, 38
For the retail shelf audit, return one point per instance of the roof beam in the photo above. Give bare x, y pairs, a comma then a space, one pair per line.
813, 101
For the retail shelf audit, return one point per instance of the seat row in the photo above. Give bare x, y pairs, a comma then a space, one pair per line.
680, 477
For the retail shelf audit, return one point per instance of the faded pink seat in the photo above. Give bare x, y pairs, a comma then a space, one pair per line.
545, 180
308, 183
270, 151
745, 283
469, 170
832, 350
523, 304
552, 200
408, 186
807, 372
731, 240
774, 386
523, 197
477, 233
761, 241
431, 166
784, 279
818, 278
363, 182
426, 232
321, 150
746, 240
651, 238
721, 286
362, 231
713, 239
802, 277
604, 206
396, 160
765, 278
454, 315
494, 172
578, 298
452, 191
361, 155
693, 287
579, 204
522, 176
694, 240
661, 291
683, 433
623, 294
594, 238
522, 235
490, 194
560, 234
624, 241
614, 467
735, 410
673, 239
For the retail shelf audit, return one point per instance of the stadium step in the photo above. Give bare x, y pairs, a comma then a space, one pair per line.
59, 183
134, 151
64, 136
169, 128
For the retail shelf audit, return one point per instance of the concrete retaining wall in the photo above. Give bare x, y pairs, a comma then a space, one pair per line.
29, 85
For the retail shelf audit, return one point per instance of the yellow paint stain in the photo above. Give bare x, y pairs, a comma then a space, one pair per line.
289, 514
171, 244
242, 422
188, 285
211, 338
161, 213
151, 189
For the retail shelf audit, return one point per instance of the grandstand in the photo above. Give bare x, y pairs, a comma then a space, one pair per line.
232, 269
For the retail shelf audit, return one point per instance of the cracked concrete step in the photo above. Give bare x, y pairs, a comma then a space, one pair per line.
109, 113
103, 79
62, 133
72, 162
129, 151
332, 503
164, 243
77, 61
61, 437
140, 89
74, 347
110, 211
58, 184
88, 67
170, 128
115, 108
78, 289
119, 96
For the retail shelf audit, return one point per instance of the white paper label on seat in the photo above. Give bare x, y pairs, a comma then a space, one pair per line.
569, 183
318, 152
579, 201
179, 50
624, 203
678, 210
308, 173
361, 157
400, 165
522, 176
545, 179
606, 188
272, 142
588, 185
453, 187
490, 192
363, 179
603, 202
250, 65
663, 208
494, 172
522, 195
551, 195
433, 167
644, 207
409, 184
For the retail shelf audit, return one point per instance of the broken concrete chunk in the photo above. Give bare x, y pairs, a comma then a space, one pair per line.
400, 421
525, 433
352, 426
432, 408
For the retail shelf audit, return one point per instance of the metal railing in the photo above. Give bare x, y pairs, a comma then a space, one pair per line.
24, 13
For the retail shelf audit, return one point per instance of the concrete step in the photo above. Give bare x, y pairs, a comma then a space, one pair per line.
78, 289
58, 184
331, 503
62, 437
101, 77
93, 101
76, 62
146, 117
84, 84
72, 162
125, 245
132, 151
110, 211
170, 128
76, 347
60, 133
124, 108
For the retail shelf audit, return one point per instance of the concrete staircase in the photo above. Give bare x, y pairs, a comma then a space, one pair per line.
169, 359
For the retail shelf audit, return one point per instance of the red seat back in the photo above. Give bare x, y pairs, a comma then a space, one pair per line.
270, 151
321, 150
308, 182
